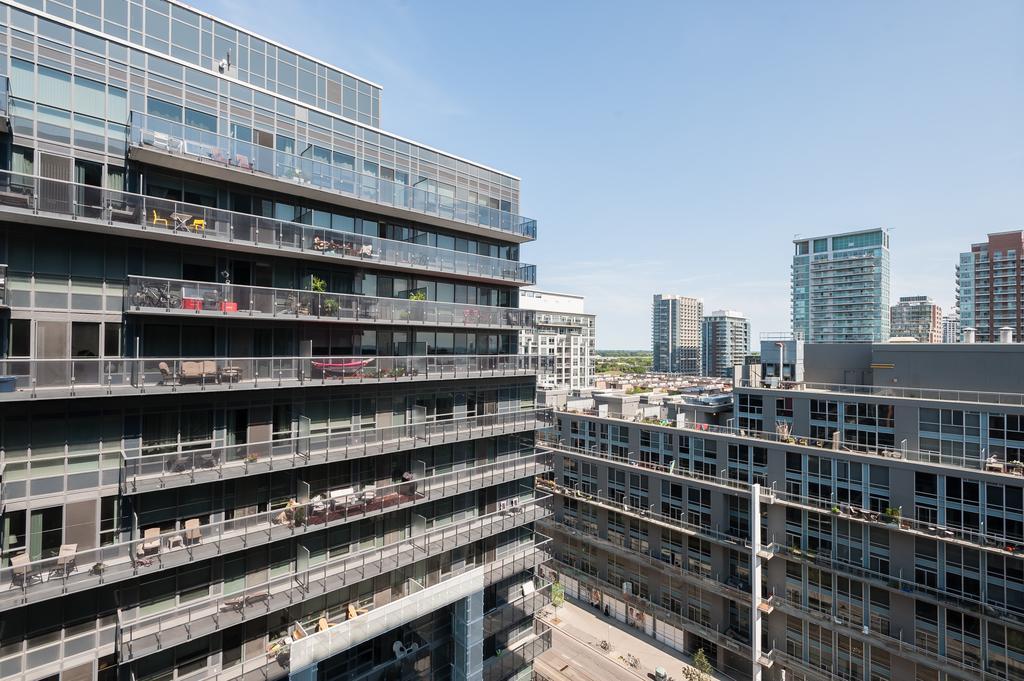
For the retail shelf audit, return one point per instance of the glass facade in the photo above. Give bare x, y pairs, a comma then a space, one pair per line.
264, 410
841, 294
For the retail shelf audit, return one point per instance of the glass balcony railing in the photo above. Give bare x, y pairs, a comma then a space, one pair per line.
192, 223
159, 549
729, 586
895, 644
536, 593
156, 295
156, 468
3, 286
95, 377
5, 104
141, 634
167, 137
508, 662
731, 540
337, 637
722, 635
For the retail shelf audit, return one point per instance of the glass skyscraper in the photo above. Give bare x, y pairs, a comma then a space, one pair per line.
840, 287
262, 410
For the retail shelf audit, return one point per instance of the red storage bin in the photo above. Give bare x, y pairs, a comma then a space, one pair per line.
192, 303
226, 306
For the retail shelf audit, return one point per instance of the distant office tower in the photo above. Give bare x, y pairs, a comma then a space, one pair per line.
916, 317
725, 341
563, 332
840, 287
676, 334
989, 295
950, 328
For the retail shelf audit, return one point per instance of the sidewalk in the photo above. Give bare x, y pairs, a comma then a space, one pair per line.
587, 626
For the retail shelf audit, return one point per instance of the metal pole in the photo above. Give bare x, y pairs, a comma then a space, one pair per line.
755, 579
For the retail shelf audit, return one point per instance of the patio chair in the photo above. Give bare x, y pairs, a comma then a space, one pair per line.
66, 560
151, 542
22, 573
192, 532
157, 220
199, 224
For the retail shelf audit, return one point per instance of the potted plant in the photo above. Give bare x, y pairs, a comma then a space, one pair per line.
319, 287
892, 515
331, 306
252, 457
835, 509
418, 294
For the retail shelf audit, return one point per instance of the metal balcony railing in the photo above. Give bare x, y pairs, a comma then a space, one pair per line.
194, 223
730, 587
967, 396
896, 645
508, 662
154, 468
990, 465
649, 515
158, 549
96, 377
140, 635
202, 146
910, 588
517, 609
155, 295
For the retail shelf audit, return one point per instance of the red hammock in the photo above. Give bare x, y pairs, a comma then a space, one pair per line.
335, 366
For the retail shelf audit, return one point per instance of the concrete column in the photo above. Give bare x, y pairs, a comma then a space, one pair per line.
755, 580
468, 638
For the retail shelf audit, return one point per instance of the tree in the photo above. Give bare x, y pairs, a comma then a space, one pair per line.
700, 661
557, 595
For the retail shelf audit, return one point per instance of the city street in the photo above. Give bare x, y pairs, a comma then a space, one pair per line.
575, 654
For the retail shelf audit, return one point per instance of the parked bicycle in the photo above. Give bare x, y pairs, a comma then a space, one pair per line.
151, 295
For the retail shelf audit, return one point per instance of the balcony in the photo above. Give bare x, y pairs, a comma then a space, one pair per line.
84, 207
956, 535
171, 145
305, 653
508, 662
727, 587
140, 636
908, 588
177, 297
896, 645
725, 637
536, 594
732, 541
158, 550
101, 377
162, 470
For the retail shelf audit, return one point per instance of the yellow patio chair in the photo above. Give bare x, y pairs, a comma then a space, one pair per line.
157, 220
199, 224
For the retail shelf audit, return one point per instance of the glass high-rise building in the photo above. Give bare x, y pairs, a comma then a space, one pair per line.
725, 342
840, 287
676, 323
262, 409
990, 293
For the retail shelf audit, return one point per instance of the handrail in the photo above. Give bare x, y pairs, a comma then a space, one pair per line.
236, 300
648, 515
151, 132
901, 646
990, 465
96, 376
195, 222
936, 394
897, 582
195, 619
158, 551
932, 531
216, 460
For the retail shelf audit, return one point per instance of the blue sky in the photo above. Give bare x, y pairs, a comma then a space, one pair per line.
678, 147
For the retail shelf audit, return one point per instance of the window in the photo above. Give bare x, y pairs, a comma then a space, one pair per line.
201, 120
162, 109
21, 330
